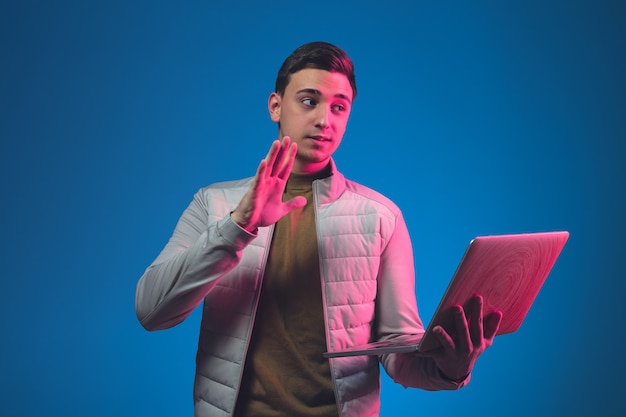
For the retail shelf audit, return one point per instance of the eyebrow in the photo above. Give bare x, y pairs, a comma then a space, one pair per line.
319, 93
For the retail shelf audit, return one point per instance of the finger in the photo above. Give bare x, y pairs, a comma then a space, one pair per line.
288, 165
444, 338
295, 203
282, 153
492, 324
271, 157
476, 320
260, 172
283, 157
462, 330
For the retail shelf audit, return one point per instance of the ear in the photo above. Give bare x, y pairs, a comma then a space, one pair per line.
273, 106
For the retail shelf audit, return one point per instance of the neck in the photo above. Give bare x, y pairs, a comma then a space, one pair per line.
310, 168
312, 174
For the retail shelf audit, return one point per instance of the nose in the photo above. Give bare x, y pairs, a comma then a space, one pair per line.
322, 117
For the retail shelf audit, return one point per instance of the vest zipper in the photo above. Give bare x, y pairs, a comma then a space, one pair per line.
257, 297
324, 303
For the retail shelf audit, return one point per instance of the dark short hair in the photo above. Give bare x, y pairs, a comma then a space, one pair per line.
319, 55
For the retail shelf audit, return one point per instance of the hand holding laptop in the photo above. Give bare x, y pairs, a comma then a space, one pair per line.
472, 333
506, 272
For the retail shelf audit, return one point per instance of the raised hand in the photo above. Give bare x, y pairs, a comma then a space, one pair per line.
263, 205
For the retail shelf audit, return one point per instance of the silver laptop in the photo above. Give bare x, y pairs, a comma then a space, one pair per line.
507, 270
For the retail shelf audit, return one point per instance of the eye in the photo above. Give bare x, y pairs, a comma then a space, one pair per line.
310, 102
338, 107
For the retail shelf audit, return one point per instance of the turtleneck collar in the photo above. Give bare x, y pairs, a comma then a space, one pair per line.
305, 181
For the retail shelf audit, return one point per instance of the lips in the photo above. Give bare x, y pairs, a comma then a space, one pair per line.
319, 138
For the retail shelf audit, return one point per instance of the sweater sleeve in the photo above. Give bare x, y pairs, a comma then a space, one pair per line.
197, 254
397, 315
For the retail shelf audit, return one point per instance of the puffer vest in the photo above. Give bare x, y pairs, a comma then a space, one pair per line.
367, 278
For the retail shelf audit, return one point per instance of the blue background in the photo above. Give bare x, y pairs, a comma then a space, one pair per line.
481, 117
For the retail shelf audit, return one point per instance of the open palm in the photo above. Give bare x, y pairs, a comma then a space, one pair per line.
262, 205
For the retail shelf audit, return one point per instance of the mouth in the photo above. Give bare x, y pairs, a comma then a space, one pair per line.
320, 138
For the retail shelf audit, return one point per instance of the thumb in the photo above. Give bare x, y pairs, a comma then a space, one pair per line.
295, 203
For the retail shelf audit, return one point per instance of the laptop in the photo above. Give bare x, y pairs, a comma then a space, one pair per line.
507, 270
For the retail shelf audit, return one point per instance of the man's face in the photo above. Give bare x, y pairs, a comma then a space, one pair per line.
314, 113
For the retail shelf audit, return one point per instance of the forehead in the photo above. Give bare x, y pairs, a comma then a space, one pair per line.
327, 83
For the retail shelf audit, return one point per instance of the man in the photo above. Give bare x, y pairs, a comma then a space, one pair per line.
296, 261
